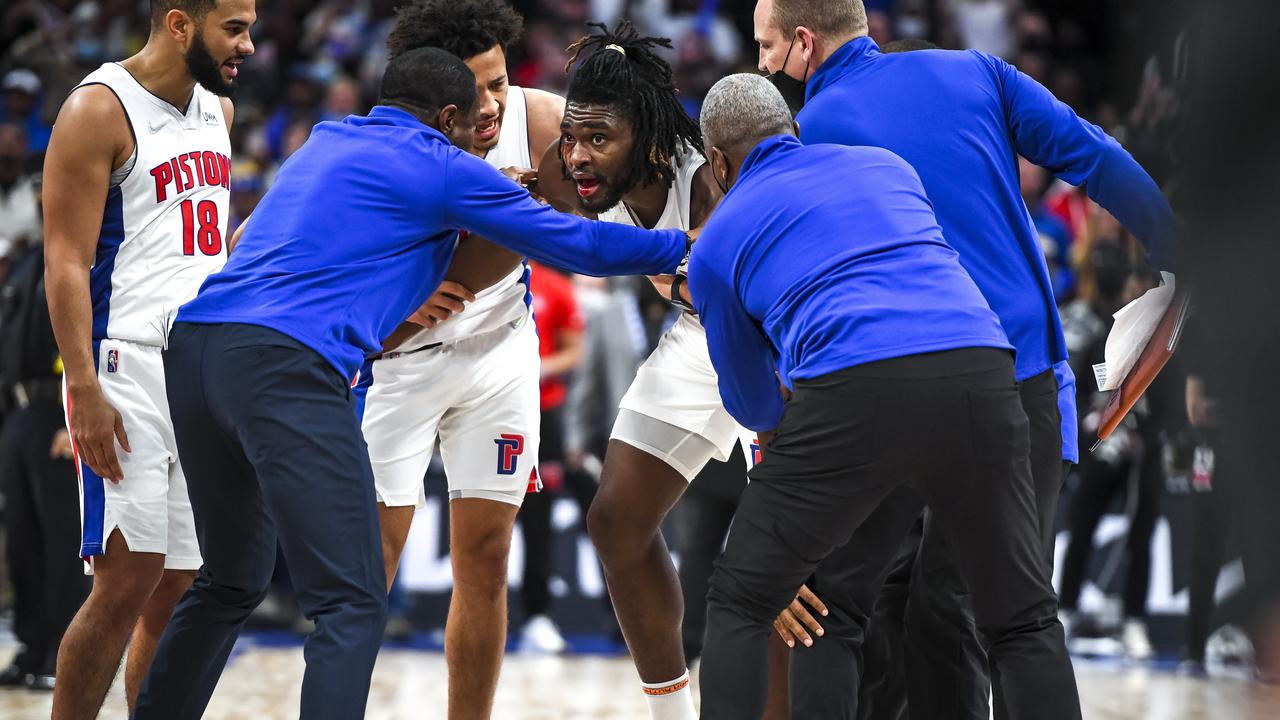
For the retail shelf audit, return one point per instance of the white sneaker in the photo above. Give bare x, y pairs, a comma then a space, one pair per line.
1137, 645
1229, 646
540, 635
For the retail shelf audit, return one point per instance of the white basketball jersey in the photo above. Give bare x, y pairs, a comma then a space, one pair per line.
508, 300
675, 216
165, 222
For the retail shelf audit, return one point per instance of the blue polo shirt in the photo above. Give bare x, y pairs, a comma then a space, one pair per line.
961, 119
362, 222
844, 267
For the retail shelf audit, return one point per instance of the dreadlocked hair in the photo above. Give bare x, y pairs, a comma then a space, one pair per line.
620, 69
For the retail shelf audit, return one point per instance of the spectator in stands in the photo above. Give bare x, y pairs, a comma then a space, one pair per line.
22, 105
19, 210
1131, 461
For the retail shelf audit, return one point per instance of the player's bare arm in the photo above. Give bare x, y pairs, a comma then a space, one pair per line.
91, 138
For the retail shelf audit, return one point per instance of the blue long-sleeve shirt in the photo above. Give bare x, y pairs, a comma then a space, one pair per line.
362, 222
821, 258
960, 119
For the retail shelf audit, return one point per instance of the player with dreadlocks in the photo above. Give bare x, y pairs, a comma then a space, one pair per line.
486, 417
629, 153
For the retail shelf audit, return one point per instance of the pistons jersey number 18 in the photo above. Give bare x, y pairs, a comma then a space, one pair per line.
164, 227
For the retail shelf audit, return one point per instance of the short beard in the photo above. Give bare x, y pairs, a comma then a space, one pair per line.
206, 71
614, 193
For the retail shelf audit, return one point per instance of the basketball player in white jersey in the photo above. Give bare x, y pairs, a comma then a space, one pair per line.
470, 381
632, 155
136, 193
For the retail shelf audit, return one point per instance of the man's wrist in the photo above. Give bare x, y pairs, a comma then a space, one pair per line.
677, 297
81, 385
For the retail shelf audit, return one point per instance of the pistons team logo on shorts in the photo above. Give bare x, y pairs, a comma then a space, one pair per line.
113, 360
510, 447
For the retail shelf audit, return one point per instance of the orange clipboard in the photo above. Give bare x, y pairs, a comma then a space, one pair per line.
1150, 362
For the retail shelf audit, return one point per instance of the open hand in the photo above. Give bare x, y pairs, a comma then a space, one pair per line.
795, 623
95, 428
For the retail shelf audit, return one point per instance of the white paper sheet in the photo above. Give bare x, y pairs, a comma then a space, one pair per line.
1134, 326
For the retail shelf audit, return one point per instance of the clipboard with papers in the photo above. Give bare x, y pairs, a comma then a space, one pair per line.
1142, 341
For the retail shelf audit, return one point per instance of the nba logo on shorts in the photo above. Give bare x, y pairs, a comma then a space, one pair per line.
510, 447
113, 360
755, 452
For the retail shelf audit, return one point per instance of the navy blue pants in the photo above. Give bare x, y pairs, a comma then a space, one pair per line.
269, 441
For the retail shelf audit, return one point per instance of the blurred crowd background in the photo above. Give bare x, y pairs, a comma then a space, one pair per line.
1151, 487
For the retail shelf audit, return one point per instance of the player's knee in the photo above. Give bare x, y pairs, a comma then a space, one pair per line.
172, 585
481, 563
124, 591
614, 530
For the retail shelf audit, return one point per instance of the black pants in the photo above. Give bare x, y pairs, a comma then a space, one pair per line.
271, 447
950, 424
938, 645
535, 517
42, 521
882, 694
1213, 512
1099, 481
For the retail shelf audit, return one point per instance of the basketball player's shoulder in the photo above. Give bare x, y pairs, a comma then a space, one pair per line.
544, 112
93, 116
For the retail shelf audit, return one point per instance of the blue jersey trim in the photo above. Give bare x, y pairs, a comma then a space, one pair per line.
104, 263
93, 497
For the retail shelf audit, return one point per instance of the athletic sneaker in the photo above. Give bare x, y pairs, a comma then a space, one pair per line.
540, 635
1137, 645
40, 682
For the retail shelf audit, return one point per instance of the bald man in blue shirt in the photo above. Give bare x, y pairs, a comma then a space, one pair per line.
961, 119
357, 231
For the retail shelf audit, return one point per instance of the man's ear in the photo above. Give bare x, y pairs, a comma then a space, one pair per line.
807, 43
447, 118
180, 26
719, 168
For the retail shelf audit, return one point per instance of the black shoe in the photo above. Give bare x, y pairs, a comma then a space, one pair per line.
13, 676
40, 682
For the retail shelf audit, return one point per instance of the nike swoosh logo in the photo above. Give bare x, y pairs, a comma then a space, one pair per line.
154, 128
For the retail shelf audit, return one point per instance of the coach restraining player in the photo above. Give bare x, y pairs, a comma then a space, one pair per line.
900, 372
357, 231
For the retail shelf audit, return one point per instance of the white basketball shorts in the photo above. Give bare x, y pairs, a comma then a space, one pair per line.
149, 506
673, 409
477, 396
